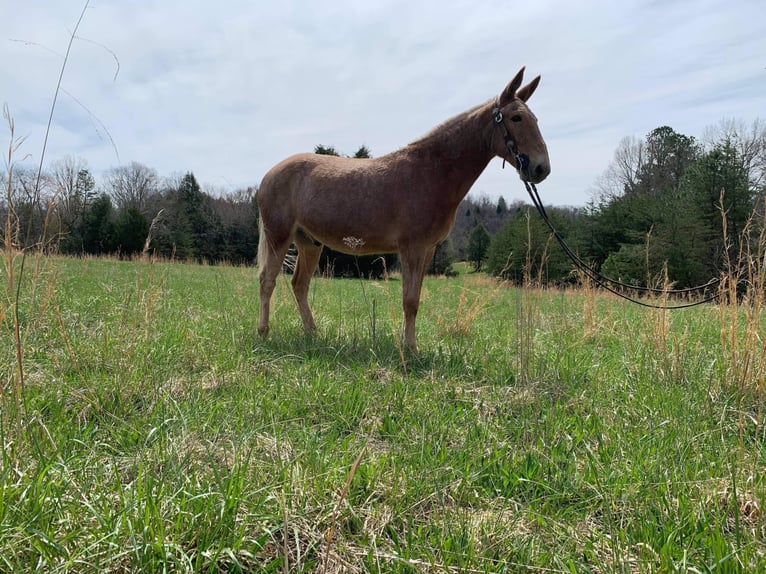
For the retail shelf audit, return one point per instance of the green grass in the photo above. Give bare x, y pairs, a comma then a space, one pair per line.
536, 431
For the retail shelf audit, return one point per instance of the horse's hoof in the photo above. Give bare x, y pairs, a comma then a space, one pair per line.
411, 347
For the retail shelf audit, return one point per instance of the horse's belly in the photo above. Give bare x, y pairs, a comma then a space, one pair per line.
357, 241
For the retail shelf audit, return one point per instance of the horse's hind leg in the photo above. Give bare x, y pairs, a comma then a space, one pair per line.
308, 258
270, 258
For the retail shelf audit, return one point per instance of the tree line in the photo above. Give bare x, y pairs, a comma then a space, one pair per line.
667, 205
132, 211
662, 205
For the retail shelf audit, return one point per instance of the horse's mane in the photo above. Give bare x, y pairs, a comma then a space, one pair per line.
447, 127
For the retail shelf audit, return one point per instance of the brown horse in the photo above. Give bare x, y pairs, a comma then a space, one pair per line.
403, 202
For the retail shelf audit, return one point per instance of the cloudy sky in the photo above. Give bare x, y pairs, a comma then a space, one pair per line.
226, 89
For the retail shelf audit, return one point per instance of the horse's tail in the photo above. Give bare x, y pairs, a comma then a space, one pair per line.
262, 246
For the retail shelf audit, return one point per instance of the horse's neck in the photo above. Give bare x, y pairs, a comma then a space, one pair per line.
458, 151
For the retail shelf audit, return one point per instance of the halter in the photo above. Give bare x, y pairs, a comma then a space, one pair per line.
522, 159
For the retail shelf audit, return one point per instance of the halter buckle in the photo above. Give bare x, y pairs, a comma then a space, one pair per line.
497, 115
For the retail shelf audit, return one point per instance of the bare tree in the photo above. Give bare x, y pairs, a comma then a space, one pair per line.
27, 204
131, 185
74, 187
623, 174
749, 143
64, 174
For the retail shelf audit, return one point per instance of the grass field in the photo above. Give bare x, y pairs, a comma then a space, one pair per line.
537, 431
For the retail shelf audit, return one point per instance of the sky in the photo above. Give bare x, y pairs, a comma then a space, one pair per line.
227, 89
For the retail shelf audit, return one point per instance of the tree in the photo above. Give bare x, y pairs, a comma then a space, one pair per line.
97, 230
628, 264
749, 143
27, 199
640, 197
238, 214
131, 185
84, 186
674, 220
363, 152
622, 174
74, 187
478, 244
441, 262
75, 190
524, 249
718, 187
473, 211
199, 218
668, 155
178, 234
130, 231
325, 150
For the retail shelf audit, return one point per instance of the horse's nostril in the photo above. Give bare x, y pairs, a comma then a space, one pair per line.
542, 170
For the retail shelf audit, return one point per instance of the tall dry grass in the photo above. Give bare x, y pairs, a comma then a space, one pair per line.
13, 386
742, 293
18, 246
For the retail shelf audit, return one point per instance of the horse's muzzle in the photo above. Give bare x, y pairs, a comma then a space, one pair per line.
533, 173
540, 172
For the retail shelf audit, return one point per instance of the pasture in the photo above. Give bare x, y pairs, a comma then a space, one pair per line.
536, 431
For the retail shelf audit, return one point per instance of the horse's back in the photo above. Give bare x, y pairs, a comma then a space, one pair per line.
309, 176
284, 171
332, 198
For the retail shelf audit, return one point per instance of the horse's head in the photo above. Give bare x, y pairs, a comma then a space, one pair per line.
518, 139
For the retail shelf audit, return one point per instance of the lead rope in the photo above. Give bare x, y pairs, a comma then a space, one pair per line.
522, 162
606, 282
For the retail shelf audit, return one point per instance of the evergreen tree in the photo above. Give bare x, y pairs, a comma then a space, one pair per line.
325, 150
441, 263
634, 234
363, 152
73, 203
478, 244
130, 231
525, 250
199, 220
674, 220
717, 187
97, 229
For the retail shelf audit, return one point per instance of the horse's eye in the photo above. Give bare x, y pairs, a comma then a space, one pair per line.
516, 118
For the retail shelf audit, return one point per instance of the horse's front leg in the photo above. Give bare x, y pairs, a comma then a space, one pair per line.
414, 263
308, 258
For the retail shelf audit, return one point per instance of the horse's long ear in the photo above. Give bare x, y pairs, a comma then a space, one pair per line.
524, 93
510, 90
